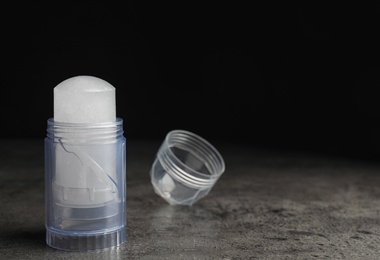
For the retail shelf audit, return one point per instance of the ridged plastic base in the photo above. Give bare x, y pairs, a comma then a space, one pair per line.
87, 242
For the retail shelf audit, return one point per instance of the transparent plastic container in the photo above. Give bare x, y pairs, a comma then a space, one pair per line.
186, 168
85, 185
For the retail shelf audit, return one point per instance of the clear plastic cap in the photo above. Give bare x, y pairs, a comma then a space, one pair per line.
186, 168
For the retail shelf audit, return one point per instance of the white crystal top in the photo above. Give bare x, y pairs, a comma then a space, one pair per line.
84, 99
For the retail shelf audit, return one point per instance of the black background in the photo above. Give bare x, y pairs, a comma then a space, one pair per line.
280, 76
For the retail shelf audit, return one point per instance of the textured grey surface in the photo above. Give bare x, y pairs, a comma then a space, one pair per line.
265, 206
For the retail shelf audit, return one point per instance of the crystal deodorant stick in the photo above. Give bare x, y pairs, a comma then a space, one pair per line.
85, 168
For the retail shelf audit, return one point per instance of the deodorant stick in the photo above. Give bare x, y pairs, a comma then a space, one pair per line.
85, 168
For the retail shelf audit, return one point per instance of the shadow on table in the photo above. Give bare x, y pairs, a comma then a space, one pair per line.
24, 239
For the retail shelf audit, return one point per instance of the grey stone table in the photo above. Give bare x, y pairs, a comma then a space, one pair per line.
267, 205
